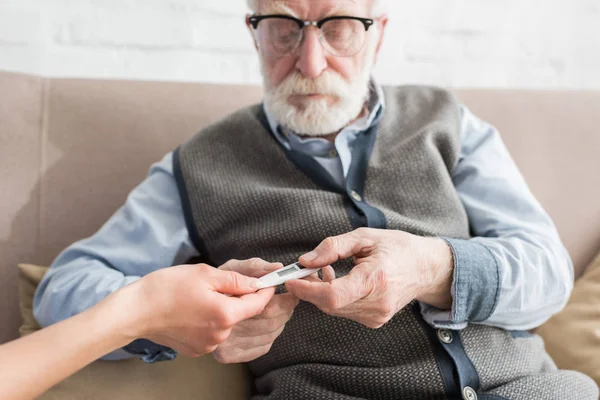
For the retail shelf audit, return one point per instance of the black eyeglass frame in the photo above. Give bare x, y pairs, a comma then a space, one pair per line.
254, 20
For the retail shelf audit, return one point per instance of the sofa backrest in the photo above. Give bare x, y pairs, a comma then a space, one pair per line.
71, 150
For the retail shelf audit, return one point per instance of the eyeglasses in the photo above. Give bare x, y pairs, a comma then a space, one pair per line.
278, 35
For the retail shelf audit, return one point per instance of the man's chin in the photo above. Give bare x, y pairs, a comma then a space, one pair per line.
311, 101
313, 117
314, 124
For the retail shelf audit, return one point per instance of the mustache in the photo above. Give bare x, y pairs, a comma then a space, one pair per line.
328, 83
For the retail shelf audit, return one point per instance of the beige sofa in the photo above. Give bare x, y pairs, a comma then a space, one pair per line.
70, 151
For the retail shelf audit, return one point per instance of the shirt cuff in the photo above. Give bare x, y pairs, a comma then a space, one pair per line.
475, 289
150, 352
117, 355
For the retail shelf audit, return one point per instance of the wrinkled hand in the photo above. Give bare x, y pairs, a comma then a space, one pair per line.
392, 268
254, 337
184, 307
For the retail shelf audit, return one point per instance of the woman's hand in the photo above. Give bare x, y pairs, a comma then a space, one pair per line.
190, 308
253, 337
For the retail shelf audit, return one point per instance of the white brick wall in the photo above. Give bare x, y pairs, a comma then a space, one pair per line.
460, 43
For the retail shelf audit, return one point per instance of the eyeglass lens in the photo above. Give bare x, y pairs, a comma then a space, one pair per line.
340, 37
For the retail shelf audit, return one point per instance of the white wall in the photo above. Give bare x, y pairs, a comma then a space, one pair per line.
460, 43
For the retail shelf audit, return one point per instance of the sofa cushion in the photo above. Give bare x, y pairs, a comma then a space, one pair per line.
199, 379
29, 278
573, 336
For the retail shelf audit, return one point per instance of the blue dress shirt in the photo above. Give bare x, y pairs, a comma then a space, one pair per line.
513, 274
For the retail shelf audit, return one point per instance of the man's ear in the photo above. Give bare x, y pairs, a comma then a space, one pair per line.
251, 29
382, 21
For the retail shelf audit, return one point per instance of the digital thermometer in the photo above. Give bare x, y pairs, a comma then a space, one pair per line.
292, 271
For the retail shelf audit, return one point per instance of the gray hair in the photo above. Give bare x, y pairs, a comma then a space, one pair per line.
379, 7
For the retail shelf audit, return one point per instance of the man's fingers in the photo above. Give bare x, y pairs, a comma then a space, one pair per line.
244, 356
279, 305
332, 295
328, 273
312, 278
251, 342
254, 267
261, 326
308, 290
335, 248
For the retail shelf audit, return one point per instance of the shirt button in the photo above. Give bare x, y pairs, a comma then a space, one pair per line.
445, 336
355, 196
469, 394
333, 153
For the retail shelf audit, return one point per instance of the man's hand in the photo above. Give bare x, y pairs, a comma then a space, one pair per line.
254, 337
190, 308
392, 268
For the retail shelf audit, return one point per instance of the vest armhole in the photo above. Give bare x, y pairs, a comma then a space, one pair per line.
188, 215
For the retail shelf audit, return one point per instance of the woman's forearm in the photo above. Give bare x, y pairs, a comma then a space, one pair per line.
31, 365
186, 307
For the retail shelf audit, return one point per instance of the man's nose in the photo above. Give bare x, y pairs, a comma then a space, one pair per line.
311, 60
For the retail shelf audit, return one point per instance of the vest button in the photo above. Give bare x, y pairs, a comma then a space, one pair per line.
333, 153
445, 336
355, 196
469, 394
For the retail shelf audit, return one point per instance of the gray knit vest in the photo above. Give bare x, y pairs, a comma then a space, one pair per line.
244, 197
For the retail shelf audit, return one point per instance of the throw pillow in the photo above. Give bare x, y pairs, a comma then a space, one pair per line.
573, 336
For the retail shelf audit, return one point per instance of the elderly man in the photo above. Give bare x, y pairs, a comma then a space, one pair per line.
436, 256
